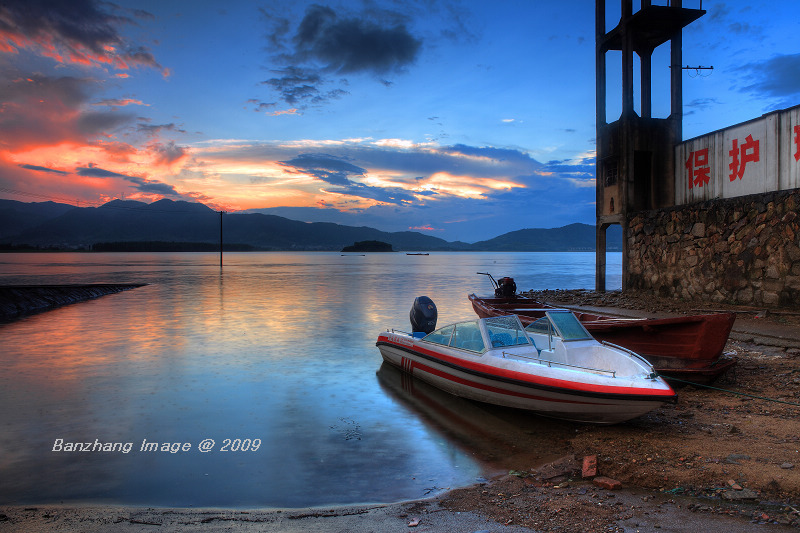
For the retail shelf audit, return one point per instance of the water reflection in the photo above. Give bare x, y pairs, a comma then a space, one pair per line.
500, 439
279, 347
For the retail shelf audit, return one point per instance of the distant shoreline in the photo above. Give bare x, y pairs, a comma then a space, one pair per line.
226, 249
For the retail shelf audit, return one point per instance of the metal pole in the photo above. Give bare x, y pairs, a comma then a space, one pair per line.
220, 238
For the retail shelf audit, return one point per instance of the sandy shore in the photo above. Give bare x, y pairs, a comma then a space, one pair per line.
571, 508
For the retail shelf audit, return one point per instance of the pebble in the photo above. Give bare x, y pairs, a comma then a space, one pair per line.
787, 466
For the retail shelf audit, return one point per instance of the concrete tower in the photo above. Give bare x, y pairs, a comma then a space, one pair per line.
635, 154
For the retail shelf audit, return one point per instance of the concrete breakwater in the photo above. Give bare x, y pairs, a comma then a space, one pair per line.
20, 300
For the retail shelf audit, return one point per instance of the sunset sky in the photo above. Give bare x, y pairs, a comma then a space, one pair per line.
460, 119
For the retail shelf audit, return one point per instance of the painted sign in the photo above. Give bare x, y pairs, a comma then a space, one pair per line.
754, 157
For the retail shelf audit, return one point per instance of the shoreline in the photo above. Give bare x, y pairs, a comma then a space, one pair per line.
17, 301
713, 462
568, 506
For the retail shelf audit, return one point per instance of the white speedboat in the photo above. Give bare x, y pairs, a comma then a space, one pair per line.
553, 367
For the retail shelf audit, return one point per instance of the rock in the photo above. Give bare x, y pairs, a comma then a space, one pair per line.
734, 458
560, 467
737, 495
787, 466
607, 483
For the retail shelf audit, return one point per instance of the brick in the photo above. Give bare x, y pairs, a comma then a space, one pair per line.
589, 466
607, 483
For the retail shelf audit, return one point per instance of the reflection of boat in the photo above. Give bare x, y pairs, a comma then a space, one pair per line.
417, 253
554, 367
500, 438
686, 347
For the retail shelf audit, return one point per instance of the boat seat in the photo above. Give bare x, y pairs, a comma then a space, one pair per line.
474, 346
501, 339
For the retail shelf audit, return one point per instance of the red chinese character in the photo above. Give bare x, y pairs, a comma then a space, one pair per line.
740, 157
797, 143
699, 171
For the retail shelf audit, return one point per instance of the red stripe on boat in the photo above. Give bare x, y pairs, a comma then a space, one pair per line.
527, 378
489, 388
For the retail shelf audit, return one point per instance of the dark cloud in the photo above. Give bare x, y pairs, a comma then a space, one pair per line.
496, 154
154, 129
40, 110
142, 184
326, 43
700, 104
77, 31
327, 168
96, 172
777, 77
44, 169
261, 107
338, 171
301, 86
168, 153
93, 123
353, 44
585, 170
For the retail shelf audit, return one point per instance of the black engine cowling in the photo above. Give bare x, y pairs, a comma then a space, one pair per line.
506, 288
423, 315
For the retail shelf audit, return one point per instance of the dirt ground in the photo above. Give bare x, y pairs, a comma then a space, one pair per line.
724, 452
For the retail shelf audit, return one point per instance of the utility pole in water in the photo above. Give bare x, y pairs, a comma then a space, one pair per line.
220, 237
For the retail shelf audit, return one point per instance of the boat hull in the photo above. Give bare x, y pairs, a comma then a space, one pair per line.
685, 347
591, 402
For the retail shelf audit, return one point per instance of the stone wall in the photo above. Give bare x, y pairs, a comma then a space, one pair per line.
744, 250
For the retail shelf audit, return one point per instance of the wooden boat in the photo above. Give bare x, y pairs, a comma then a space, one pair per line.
553, 367
685, 347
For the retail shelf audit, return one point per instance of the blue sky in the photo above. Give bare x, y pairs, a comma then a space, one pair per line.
460, 119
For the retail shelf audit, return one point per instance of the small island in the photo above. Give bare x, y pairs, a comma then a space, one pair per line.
369, 246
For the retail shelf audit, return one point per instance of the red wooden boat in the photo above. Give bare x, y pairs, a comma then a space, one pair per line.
684, 347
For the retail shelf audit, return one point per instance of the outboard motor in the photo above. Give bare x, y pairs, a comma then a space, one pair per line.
423, 316
506, 288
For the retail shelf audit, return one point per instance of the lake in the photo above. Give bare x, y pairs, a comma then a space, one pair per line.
255, 385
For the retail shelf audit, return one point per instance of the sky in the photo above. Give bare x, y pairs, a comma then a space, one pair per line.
462, 120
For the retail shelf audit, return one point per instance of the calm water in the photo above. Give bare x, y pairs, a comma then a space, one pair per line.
275, 353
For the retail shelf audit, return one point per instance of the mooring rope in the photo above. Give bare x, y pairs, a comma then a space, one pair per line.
732, 391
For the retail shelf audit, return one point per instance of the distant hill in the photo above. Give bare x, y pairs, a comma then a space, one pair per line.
47, 224
574, 237
19, 216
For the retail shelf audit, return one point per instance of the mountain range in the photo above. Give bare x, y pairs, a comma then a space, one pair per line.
50, 224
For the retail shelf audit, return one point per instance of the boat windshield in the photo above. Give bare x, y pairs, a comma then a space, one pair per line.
506, 331
567, 326
464, 335
441, 335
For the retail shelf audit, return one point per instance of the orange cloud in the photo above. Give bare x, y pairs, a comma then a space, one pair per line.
464, 186
292, 111
120, 102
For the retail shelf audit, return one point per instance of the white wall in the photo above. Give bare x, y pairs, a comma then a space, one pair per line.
756, 156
